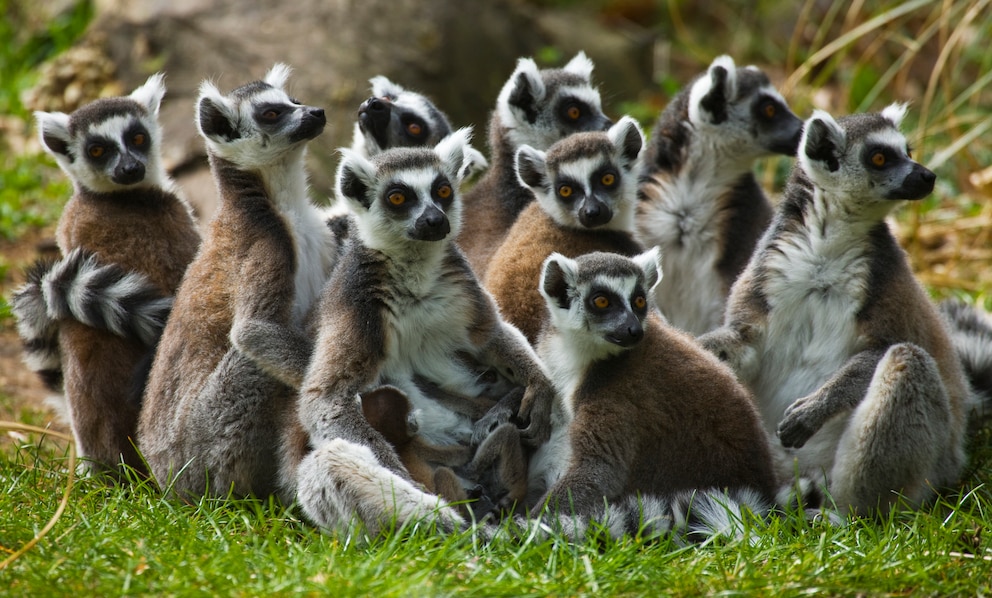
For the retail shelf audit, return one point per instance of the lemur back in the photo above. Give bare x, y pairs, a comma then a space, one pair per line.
586, 186
642, 410
535, 108
212, 420
848, 360
700, 202
403, 308
126, 237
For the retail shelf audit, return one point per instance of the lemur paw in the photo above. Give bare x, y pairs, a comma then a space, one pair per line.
795, 428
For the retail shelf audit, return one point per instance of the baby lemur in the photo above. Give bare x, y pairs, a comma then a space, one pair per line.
212, 420
586, 190
700, 202
849, 362
126, 237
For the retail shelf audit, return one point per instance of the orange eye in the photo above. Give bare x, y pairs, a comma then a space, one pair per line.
878, 159
270, 114
601, 302
414, 129
138, 139
95, 151
770, 110
396, 198
608, 179
564, 191
444, 191
573, 112
640, 302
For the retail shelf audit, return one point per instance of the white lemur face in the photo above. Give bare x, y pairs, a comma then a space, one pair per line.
746, 108
406, 195
586, 180
600, 300
539, 107
863, 160
110, 144
258, 123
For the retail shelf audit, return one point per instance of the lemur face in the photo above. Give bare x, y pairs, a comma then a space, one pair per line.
600, 299
396, 117
539, 107
863, 159
257, 124
406, 194
746, 108
109, 144
586, 180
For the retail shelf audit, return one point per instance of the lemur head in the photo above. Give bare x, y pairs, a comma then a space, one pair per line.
110, 144
539, 107
398, 117
586, 180
405, 195
741, 107
600, 300
863, 160
257, 124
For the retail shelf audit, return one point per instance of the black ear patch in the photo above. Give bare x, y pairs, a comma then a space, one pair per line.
820, 147
530, 171
214, 122
57, 145
715, 101
630, 144
555, 284
523, 98
353, 187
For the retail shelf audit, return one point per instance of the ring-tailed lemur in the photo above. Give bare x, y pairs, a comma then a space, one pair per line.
403, 302
212, 421
971, 333
846, 355
535, 108
642, 410
586, 190
700, 202
90, 320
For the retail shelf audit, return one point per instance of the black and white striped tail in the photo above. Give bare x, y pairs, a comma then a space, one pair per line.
971, 334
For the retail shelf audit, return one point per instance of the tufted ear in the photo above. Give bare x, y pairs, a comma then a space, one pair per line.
382, 87
278, 75
650, 263
532, 169
712, 93
355, 179
453, 151
53, 130
823, 142
894, 113
215, 117
151, 93
558, 275
523, 92
580, 65
626, 135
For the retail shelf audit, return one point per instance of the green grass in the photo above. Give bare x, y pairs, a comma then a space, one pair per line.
131, 541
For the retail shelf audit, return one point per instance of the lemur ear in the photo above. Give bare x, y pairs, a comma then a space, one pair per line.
580, 65
626, 135
453, 151
53, 130
712, 93
382, 87
214, 117
355, 178
650, 263
557, 276
278, 75
523, 92
150, 94
823, 141
894, 113
532, 168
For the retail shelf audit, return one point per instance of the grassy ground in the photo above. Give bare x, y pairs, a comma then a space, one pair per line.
64, 535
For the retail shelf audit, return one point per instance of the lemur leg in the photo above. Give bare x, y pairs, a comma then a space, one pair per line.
501, 467
895, 436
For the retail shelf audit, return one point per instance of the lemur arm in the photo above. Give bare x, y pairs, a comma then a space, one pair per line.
282, 352
733, 344
585, 486
473, 407
843, 391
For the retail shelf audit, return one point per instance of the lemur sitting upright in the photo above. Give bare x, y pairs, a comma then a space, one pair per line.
535, 108
700, 202
212, 420
586, 190
126, 237
402, 303
846, 355
643, 412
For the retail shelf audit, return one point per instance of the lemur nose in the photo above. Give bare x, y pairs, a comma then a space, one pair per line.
318, 112
375, 104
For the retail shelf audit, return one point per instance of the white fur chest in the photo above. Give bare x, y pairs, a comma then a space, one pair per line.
315, 257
